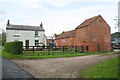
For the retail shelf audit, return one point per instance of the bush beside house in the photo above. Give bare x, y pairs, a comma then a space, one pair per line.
14, 47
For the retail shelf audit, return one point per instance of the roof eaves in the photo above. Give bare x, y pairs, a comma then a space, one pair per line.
64, 37
23, 29
82, 26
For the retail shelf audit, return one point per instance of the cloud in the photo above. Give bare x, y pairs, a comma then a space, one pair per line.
56, 3
55, 20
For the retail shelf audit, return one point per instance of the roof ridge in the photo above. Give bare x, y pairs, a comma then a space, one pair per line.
67, 34
87, 22
69, 31
22, 25
93, 17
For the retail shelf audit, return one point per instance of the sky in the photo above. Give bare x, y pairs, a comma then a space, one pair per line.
57, 15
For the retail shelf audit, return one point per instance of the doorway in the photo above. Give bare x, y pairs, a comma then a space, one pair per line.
27, 44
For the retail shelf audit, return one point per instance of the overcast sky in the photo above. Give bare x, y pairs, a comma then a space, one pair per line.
56, 15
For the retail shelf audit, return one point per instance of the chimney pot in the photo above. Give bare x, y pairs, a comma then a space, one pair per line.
8, 22
41, 25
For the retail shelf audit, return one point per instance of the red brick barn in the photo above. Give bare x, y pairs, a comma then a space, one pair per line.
93, 32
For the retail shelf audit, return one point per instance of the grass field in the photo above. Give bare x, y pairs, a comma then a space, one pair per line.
43, 54
106, 69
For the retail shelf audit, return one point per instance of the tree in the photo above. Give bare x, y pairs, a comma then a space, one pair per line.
117, 22
3, 34
62, 32
56, 35
3, 37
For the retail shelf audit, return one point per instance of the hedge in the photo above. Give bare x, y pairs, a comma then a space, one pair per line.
14, 47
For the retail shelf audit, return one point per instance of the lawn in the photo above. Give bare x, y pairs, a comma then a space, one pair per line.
106, 69
44, 54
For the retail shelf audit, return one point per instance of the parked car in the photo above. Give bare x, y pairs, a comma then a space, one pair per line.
116, 43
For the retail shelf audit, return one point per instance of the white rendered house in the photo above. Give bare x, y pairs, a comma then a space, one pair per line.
29, 35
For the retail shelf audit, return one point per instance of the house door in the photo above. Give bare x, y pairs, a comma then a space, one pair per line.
27, 44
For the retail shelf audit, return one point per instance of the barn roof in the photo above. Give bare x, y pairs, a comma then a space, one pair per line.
67, 34
87, 22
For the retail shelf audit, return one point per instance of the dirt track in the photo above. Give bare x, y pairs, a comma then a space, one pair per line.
60, 67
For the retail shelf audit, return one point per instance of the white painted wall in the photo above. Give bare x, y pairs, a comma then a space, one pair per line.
25, 35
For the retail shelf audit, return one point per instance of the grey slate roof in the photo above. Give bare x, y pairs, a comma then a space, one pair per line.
24, 27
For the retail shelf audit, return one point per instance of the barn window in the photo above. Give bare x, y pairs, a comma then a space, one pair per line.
66, 40
83, 41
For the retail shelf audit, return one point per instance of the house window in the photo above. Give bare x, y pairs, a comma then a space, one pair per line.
16, 33
36, 33
36, 42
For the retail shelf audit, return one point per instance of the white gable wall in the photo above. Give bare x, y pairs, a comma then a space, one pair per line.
25, 35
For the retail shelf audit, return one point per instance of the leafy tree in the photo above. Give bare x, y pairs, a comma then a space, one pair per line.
56, 35
62, 32
117, 22
3, 37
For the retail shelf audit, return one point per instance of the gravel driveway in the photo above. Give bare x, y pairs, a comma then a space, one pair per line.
60, 67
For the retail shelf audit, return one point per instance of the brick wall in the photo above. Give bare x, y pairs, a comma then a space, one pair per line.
81, 36
97, 32
64, 42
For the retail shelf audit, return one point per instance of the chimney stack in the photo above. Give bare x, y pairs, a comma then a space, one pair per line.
41, 25
8, 22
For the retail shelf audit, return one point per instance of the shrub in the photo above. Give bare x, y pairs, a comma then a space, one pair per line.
13, 47
43, 46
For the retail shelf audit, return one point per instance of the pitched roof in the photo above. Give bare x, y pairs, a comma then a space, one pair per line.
24, 27
67, 34
87, 22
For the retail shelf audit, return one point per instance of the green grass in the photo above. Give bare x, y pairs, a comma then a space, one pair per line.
38, 55
44, 54
106, 69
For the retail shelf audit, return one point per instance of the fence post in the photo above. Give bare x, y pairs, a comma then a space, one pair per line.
82, 48
49, 48
98, 47
87, 48
75, 48
63, 48
33, 49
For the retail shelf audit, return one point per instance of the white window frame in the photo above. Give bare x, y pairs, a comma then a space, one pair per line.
36, 33
36, 42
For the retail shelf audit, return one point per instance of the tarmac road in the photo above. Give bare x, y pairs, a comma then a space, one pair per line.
12, 70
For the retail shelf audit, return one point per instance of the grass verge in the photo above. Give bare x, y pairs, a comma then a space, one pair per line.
106, 69
41, 55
